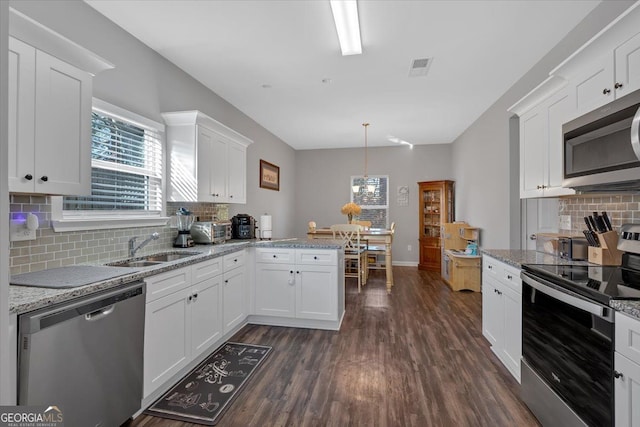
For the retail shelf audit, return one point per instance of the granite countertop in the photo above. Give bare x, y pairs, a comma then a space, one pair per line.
23, 299
632, 308
517, 257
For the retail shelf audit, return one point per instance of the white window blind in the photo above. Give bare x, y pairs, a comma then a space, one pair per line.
127, 164
374, 204
126, 168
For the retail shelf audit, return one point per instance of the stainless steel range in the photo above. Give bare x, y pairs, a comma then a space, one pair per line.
568, 335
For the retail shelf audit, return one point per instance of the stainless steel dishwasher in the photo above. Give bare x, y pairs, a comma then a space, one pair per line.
85, 357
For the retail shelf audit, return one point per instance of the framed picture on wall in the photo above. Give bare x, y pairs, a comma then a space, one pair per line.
269, 176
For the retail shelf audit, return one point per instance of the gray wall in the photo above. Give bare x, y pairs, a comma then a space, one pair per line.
484, 165
147, 84
323, 183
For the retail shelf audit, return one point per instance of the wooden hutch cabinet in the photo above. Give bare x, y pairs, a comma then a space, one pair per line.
436, 208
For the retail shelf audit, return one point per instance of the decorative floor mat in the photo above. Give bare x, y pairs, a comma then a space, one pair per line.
206, 392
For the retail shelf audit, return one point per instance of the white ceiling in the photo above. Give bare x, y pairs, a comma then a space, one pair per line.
479, 49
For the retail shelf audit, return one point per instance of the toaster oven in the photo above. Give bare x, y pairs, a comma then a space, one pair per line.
209, 232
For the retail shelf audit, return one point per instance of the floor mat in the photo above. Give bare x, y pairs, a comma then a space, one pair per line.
206, 392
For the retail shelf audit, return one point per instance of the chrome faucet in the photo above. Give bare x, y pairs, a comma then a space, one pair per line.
132, 243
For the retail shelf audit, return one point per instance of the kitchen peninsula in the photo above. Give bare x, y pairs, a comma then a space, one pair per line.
373, 236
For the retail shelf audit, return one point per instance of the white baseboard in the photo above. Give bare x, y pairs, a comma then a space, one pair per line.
405, 263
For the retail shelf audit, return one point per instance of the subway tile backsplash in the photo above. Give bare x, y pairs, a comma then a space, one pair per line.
51, 249
621, 208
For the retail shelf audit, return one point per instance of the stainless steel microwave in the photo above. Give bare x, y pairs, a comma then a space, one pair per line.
602, 148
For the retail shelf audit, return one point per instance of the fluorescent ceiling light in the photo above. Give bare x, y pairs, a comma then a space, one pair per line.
345, 15
399, 141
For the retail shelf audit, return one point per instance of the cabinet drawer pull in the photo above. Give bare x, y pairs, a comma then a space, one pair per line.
315, 257
606, 91
28, 177
617, 374
44, 178
618, 85
275, 256
509, 276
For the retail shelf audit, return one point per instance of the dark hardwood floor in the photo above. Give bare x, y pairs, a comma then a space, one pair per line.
414, 358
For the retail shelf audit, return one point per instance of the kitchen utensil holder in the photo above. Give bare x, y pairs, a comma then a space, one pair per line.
607, 253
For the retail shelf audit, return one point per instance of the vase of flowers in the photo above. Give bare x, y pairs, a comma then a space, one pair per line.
351, 209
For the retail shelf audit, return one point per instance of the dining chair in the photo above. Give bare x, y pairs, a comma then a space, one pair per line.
355, 251
376, 254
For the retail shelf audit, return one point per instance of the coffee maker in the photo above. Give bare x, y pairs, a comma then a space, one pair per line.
243, 226
184, 222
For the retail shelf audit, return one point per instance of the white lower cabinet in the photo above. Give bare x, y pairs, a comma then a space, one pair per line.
627, 371
298, 287
502, 312
234, 290
188, 311
167, 341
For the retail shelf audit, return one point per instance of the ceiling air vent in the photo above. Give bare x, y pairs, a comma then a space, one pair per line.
420, 67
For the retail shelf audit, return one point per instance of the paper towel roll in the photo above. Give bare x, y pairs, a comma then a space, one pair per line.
265, 226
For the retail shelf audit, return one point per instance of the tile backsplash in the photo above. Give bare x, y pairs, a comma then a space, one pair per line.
621, 209
51, 249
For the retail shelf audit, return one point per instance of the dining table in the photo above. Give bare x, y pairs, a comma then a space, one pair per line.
373, 236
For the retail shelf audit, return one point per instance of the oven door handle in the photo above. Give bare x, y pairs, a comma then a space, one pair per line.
573, 301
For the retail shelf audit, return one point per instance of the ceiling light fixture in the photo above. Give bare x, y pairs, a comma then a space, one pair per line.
396, 140
369, 188
345, 15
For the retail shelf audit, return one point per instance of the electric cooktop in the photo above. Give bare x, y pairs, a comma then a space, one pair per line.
601, 283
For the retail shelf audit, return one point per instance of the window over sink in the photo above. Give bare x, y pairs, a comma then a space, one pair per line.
127, 174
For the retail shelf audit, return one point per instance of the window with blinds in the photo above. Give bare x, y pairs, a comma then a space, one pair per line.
374, 204
126, 169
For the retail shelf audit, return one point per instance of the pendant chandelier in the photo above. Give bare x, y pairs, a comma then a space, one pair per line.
367, 188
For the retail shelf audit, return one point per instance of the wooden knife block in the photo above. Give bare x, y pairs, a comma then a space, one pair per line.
607, 253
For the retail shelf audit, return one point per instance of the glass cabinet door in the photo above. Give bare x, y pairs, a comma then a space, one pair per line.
431, 212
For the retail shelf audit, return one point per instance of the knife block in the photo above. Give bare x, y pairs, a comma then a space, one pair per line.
607, 253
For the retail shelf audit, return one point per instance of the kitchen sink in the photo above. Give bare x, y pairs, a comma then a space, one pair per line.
133, 263
169, 256
153, 259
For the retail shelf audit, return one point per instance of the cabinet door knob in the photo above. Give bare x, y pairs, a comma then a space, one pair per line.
231, 196
28, 177
315, 257
226, 281
606, 91
44, 178
617, 374
618, 85
190, 297
290, 271
297, 272
509, 276
275, 256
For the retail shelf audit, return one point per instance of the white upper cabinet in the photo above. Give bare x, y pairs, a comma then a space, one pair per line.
542, 113
605, 68
50, 92
207, 160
